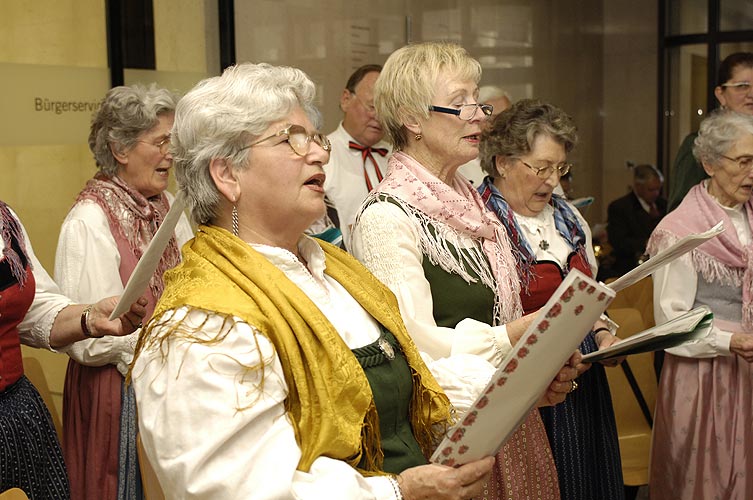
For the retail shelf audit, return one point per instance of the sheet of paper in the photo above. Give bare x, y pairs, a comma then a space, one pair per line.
148, 262
683, 246
690, 326
557, 330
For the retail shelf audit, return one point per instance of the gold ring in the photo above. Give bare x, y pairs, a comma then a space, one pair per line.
573, 386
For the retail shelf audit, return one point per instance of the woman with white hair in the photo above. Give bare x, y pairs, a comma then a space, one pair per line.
702, 427
275, 365
101, 240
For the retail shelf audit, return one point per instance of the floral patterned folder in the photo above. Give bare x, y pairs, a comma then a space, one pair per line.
526, 372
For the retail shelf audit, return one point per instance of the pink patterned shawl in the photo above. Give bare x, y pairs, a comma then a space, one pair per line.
133, 221
724, 258
459, 208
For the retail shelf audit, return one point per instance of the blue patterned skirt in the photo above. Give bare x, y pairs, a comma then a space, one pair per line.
583, 436
30, 454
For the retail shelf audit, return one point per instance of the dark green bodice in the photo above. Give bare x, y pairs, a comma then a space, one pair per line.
392, 385
454, 299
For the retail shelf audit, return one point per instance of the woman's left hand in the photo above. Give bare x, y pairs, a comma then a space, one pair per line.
564, 383
606, 339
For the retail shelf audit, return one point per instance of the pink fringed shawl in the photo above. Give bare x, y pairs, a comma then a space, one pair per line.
133, 220
460, 208
723, 259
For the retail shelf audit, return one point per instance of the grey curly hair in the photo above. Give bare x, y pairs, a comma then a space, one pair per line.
222, 114
124, 114
513, 132
718, 133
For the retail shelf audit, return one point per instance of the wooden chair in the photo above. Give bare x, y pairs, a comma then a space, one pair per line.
152, 488
634, 386
13, 494
34, 372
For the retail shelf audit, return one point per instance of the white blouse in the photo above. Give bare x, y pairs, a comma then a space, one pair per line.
214, 430
675, 287
35, 328
540, 228
386, 240
87, 264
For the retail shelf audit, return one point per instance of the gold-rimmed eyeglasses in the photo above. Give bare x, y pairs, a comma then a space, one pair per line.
163, 145
744, 162
299, 140
737, 87
465, 111
545, 172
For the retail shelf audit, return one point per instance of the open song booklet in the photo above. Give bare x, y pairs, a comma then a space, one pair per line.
524, 374
692, 325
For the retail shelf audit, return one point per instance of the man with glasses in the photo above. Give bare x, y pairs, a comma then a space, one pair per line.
358, 159
632, 218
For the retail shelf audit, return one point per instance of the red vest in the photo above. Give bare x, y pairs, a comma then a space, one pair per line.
14, 304
546, 276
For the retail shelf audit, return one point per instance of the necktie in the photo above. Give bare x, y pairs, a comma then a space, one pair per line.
366, 153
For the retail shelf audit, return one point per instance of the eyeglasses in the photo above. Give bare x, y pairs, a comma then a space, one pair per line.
545, 172
466, 111
368, 107
744, 162
163, 145
738, 87
299, 140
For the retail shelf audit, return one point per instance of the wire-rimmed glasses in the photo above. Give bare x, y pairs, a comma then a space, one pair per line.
744, 162
465, 111
299, 140
737, 87
545, 172
163, 145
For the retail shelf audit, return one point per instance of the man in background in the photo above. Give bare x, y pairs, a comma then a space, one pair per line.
488, 94
632, 218
358, 160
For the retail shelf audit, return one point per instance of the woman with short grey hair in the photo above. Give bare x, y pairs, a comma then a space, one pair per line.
101, 240
702, 425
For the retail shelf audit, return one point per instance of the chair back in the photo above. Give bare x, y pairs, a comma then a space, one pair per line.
152, 488
13, 494
34, 372
634, 386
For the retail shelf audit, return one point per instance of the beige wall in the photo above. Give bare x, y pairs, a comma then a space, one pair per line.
40, 178
57, 49
630, 84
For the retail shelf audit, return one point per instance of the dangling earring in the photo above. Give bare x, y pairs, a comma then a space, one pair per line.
419, 137
235, 220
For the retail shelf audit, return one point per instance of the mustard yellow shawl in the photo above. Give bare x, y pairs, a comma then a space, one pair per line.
330, 403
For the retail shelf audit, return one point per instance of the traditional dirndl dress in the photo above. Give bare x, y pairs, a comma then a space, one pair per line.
30, 453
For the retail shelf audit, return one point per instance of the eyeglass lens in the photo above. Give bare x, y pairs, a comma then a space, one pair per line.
468, 111
544, 172
739, 87
164, 145
300, 140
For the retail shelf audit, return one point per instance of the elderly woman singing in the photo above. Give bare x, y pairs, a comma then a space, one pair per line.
425, 233
703, 433
524, 151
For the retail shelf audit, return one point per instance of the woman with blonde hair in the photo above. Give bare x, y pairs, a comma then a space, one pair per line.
426, 234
